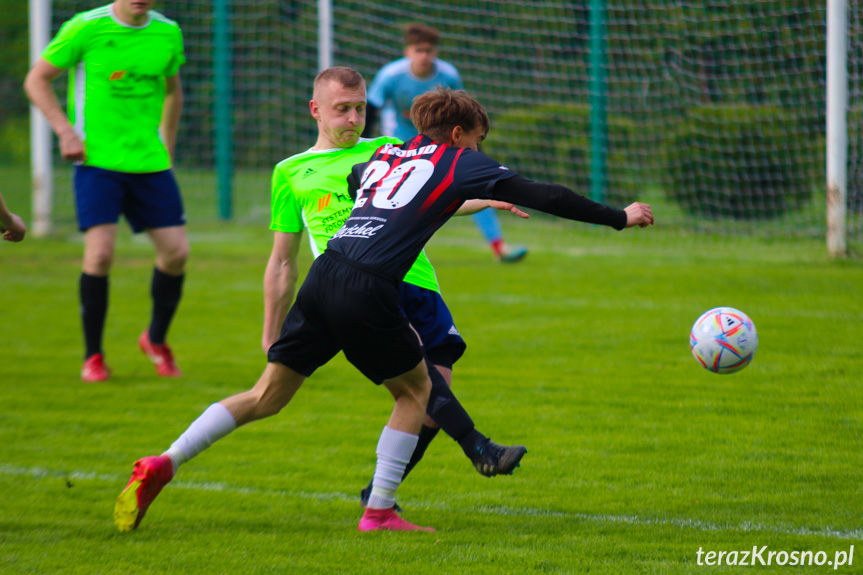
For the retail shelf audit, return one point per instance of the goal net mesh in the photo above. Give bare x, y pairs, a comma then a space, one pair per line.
713, 112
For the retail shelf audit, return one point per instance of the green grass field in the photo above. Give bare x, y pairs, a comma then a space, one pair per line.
637, 457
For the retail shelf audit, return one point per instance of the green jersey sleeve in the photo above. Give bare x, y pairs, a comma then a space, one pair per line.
67, 47
287, 213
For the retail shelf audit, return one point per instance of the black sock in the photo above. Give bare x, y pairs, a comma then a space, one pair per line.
471, 442
166, 291
93, 294
427, 434
445, 409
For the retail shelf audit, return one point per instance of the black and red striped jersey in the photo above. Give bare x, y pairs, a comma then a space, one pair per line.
404, 194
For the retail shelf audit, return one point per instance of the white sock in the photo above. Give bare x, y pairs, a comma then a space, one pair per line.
212, 425
394, 452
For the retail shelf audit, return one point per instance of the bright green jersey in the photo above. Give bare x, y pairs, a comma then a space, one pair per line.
117, 86
310, 190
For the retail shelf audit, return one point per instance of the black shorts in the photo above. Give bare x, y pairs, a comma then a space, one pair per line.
342, 307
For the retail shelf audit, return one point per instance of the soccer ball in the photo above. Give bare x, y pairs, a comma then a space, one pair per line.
723, 340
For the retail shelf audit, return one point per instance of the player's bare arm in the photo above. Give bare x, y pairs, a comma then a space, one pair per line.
42, 94
280, 282
171, 112
471, 207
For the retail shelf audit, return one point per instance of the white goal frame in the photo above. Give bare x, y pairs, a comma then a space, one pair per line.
41, 160
837, 127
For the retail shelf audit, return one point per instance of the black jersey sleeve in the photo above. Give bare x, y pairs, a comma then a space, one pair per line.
354, 180
371, 118
557, 200
478, 174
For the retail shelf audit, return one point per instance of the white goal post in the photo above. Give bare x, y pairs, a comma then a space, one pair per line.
41, 161
837, 126
325, 34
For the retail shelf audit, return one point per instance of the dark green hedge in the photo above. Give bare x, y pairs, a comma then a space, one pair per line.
743, 162
551, 142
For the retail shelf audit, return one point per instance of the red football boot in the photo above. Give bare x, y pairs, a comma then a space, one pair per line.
150, 475
160, 354
95, 369
387, 520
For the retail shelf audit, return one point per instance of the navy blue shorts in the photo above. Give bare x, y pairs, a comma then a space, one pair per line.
343, 307
432, 319
150, 200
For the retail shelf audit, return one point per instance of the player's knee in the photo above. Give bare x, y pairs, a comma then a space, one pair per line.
271, 395
266, 409
420, 390
267, 405
179, 254
173, 259
183, 253
98, 261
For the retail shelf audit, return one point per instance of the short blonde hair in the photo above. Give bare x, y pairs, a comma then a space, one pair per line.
347, 77
438, 112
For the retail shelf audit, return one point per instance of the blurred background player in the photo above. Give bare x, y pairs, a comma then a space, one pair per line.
125, 100
397, 84
11, 225
310, 192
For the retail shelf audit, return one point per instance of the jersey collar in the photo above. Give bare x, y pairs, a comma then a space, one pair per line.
124, 25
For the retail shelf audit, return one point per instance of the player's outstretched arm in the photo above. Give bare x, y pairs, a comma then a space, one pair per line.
280, 282
560, 201
638, 214
471, 207
41, 93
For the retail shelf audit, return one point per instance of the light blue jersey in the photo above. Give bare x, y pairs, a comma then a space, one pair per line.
394, 85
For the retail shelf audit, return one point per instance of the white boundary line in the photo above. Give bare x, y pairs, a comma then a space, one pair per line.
696, 524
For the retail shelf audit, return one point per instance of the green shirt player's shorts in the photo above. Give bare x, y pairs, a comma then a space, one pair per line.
310, 192
147, 201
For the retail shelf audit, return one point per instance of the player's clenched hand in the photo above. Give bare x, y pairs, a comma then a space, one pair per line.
638, 214
508, 207
71, 147
15, 231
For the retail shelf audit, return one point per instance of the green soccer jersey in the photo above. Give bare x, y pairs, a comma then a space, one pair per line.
310, 190
117, 85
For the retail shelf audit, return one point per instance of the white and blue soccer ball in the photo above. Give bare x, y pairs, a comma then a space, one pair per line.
723, 340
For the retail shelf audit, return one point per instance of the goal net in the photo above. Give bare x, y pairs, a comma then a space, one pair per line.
714, 112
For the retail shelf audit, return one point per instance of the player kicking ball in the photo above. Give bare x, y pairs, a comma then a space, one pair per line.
310, 192
349, 300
